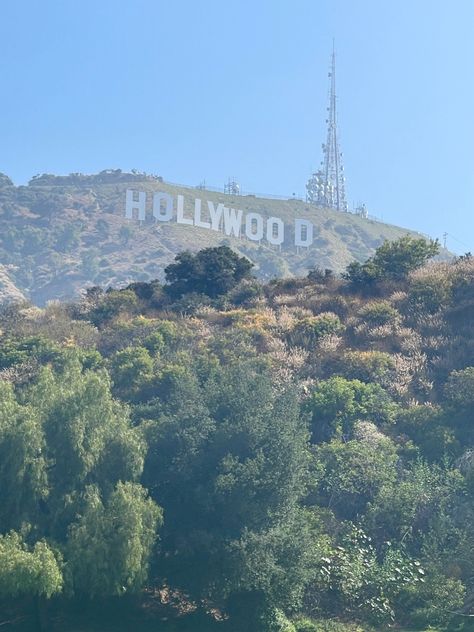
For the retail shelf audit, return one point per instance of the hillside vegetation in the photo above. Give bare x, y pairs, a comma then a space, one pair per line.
61, 234
220, 454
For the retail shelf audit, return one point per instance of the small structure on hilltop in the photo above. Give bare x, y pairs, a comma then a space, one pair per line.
232, 187
362, 211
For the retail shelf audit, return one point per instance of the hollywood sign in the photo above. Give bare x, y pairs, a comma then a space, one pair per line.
217, 217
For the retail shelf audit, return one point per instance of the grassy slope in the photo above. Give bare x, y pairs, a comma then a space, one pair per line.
339, 237
46, 273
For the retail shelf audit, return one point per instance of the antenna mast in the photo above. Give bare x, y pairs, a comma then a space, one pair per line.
232, 187
327, 187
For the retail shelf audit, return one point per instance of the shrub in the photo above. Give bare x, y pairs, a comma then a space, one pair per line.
360, 581
131, 368
377, 313
433, 602
354, 473
328, 625
190, 303
335, 303
368, 366
247, 292
17, 351
393, 260
336, 404
143, 290
459, 388
425, 426
428, 295
276, 621
317, 275
169, 330
155, 342
112, 303
310, 330
5, 181
305, 625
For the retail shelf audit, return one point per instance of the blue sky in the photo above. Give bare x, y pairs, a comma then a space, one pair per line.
210, 89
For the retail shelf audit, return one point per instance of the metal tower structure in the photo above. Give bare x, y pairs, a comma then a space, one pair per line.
232, 187
327, 186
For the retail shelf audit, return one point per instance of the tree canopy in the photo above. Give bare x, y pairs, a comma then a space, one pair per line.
281, 457
393, 260
212, 271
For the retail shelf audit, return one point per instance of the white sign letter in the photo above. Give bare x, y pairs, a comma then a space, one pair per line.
132, 204
232, 221
197, 215
303, 232
216, 214
180, 213
257, 234
162, 215
275, 231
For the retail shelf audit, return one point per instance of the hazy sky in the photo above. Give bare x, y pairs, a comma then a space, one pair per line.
217, 88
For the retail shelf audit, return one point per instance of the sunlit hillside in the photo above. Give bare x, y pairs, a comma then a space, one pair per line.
61, 234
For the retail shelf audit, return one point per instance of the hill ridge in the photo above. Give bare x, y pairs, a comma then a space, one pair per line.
63, 233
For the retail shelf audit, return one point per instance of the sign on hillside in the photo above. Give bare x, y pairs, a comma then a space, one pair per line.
217, 217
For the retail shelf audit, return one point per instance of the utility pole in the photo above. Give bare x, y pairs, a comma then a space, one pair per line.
327, 186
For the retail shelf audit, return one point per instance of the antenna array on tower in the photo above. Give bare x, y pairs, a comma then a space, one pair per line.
232, 187
326, 187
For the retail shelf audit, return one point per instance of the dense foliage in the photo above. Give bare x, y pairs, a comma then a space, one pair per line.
263, 458
212, 271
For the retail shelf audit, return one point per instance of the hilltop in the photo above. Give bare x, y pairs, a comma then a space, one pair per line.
60, 234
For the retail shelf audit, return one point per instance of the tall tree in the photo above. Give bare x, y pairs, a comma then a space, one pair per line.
230, 469
212, 271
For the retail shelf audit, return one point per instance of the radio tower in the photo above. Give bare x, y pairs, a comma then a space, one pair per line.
326, 187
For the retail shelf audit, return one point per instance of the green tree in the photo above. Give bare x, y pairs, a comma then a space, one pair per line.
308, 331
68, 237
459, 394
23, 464
396, 259
407, 505
426, 427
28, 571
392, 260
229, 466
354, 474
108, 305
88, 439
110, 544
131, 369
69, 462
212, 271
336, 404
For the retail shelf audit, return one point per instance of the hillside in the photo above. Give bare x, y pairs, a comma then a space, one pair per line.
294, 456
61, 234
